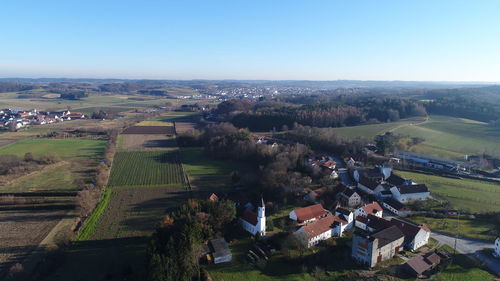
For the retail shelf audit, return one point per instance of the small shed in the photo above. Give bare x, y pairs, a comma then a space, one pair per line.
220, 250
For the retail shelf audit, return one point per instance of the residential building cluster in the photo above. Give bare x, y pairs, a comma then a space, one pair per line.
14, 119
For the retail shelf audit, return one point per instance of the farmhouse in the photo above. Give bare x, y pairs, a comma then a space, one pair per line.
370, 249
369, 209
220, 251
349, 198
409, 193
253, 222
370, 173
396, 207
308, 214
321, 229
345, 215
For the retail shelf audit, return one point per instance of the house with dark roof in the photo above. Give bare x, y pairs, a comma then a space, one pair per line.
410, 193
397, 180
416, 236
420, 265
370, 173
219, 250
349, 198
372, 248
308, 214
396, 207
369, 186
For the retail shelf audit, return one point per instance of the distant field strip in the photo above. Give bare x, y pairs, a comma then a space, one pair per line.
146, 168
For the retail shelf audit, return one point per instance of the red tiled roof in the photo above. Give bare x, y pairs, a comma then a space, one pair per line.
372, 207
310, 212
322, 225
250, 217
213, 197
425, 227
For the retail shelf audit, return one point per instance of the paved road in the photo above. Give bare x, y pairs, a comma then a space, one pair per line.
342, 171
470, 247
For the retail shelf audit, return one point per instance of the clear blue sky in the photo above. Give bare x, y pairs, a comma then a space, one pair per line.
315, 40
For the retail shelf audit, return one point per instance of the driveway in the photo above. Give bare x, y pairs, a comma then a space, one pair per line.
470, 247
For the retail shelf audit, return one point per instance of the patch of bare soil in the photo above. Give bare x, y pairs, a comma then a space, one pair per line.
140, 142
21, 232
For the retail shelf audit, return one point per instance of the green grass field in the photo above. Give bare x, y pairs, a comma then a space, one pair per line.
474, 229
154, 123
462, 269
196, 163
444, 136
465, 194
66, 148
56, 177
146, 168
177, 116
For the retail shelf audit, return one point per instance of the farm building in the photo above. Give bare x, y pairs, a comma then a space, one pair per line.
308, 214
409, 193
372, 248
419, 265
220, 251
325, 228
396, 207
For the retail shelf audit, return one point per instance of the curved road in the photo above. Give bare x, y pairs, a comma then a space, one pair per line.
470, 247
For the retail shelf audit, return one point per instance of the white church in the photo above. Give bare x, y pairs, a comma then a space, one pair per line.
255, 222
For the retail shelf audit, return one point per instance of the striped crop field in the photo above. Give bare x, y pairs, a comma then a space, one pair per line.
146, 168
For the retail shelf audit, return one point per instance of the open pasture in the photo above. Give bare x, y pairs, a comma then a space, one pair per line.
154, 123
147, 168
447, 137
463, 194
66, 148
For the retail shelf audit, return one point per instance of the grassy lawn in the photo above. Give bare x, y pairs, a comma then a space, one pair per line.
463, 194
66, 148
370, 131
239, 269
462, 269
474, 229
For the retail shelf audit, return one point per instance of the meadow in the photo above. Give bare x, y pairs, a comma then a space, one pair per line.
146, 168
65, 148
470, 228
447, 137
463, 194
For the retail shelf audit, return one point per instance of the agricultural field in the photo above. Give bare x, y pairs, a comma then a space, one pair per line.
135, 212
22, 231
447, 137
154, 123
139, 142
184, 121
146, 168
473, 229
463, 194
65, 148
53, 177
